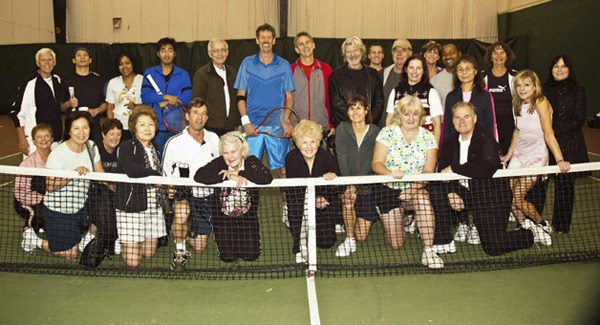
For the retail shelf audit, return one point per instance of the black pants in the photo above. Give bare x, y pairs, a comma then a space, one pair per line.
490, 200
103, 215
37, 221
564, 198
325, 221
237, 237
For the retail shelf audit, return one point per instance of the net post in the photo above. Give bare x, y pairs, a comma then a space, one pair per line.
312, 229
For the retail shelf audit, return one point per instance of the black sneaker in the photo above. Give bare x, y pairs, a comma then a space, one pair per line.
163, 241
180, 258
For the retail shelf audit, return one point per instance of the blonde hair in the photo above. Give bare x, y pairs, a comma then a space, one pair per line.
235, 138
356, 41
44, 50
309, 129
537, 94
408, 103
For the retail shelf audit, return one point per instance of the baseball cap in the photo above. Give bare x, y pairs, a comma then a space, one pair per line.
402, 42
81, 48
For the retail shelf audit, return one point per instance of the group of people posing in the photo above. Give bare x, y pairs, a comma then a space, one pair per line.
427, 112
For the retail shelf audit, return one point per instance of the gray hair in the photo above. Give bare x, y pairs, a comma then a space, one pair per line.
356, 41
44, 50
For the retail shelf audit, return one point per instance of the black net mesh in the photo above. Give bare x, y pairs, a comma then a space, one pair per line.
247, 237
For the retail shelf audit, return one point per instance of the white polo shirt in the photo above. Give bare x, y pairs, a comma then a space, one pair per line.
182, 149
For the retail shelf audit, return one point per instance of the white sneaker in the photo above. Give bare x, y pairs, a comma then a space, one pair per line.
30, 239
432, 260
473, 236
85, 240
284, 215
117, 246
445, 248
540, 236
346, 248
300, 259
527, 224
461, 233
547, 228
411, 225
340, 230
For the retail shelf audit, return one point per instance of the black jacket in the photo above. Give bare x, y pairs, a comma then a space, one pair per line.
483, 160
296, 167
484, 104
569, 106
341, 88
483, 157
209, 85
130, 161
254, 171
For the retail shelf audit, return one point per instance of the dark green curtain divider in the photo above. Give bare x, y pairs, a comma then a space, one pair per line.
191, 56
561, 27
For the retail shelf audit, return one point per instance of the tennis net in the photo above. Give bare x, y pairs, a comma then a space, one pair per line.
247, 237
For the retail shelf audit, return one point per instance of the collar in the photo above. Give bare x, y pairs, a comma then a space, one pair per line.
316, 64
276, 59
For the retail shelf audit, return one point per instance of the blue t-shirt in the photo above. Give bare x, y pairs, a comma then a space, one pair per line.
265, 85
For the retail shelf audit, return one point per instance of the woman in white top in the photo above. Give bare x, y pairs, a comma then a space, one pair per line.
124, 92
64, 205
532, 137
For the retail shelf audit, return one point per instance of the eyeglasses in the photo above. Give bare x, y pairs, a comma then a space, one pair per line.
219, 51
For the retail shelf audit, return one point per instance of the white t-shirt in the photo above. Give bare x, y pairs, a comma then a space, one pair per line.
70, 198
223, 74
463, 157
182, 149
119, 95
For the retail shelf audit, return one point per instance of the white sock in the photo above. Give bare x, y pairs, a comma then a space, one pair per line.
180, 246
428, 249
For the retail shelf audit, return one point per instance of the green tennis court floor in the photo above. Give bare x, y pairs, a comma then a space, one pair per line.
552, 294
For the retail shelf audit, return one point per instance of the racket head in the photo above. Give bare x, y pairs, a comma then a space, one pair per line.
272, 123
174, 117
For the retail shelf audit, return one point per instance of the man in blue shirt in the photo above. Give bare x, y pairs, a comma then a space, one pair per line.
165, 84
265, 81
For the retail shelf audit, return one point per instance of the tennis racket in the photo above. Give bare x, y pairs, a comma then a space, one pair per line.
272, 123
174, 117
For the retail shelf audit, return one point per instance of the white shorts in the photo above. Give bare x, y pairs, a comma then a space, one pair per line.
135, 227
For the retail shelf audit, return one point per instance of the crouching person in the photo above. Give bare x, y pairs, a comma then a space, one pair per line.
64, 205
28, 195
474, 153
140, 221
235, 213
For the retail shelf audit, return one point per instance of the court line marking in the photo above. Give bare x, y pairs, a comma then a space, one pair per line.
313, 304
10, 156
